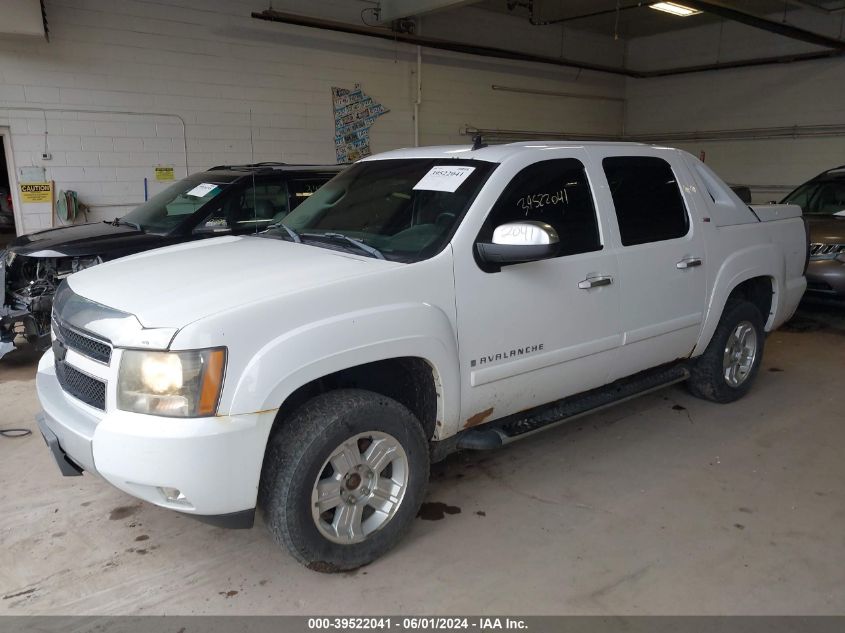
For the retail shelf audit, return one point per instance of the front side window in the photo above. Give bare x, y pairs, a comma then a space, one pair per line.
649, 205
556, 192
252, 207
405, 209
301, 190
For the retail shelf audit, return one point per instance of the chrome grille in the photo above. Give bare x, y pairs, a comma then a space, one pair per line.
81, 386
817, 248
82, 343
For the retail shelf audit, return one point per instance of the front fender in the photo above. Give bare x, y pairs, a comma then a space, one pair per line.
323, 347
762, 260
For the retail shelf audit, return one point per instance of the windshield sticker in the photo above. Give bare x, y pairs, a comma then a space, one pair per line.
201, 191
443, 178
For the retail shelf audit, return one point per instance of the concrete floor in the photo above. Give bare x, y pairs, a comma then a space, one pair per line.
666, 505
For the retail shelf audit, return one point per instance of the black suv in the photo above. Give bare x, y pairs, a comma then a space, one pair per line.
225, 200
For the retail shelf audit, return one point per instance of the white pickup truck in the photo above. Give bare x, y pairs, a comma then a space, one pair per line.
423, 301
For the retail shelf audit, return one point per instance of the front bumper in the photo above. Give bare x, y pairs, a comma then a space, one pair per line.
215, 463
826, 277
67, 466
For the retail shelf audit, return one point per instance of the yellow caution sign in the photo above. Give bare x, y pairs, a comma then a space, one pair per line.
164, 173
33, 192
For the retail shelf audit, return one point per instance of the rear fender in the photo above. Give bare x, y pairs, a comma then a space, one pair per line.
761, 260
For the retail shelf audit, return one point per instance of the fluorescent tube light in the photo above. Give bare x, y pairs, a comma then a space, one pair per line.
674, 8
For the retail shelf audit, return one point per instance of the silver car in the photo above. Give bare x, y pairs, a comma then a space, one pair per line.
823, 202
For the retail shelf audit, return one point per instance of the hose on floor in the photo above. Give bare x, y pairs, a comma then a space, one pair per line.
12, 433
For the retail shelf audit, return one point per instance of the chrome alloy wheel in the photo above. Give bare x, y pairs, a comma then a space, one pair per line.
740, 354
360, 487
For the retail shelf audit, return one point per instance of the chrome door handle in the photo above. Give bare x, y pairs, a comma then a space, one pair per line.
594, 282
692, 262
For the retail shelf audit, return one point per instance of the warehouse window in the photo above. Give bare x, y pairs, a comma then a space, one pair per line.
556, 192
649, 206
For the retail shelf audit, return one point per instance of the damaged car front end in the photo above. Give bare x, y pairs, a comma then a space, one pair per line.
29, 283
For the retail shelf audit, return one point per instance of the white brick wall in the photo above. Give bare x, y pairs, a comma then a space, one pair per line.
781, 95
209, 63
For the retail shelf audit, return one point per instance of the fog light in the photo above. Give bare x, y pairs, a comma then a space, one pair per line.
174, 495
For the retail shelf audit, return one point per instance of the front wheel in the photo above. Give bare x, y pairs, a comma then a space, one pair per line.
344, 479
730, 363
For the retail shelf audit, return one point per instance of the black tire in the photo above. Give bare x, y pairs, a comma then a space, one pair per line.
296, 456
707, 379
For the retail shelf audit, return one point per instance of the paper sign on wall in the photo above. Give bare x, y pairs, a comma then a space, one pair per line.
164, 173
34, 192
443, 178
200, 191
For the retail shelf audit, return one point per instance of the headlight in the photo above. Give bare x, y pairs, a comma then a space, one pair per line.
171, 384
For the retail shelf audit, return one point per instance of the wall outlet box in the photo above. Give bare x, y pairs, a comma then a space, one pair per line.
46, 156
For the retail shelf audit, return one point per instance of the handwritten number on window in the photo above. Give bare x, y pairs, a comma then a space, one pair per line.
540, 200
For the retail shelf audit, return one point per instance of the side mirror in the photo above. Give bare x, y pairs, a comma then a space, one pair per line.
519, 242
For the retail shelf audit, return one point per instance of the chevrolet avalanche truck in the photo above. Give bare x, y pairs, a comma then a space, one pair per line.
423, 301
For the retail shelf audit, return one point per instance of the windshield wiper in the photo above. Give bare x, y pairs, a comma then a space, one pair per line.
294, 236
119, 221
340, 237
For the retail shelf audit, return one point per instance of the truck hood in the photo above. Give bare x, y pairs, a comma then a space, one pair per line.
177, 285
86, 240
826, 229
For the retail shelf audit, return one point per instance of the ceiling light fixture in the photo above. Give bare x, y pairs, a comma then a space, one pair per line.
675, 9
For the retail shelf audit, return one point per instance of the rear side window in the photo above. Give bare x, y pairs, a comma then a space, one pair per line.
649, 206
555, 192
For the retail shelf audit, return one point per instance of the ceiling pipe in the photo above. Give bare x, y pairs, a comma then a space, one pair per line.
748, 134
500, 53
779, 28
431, 42
816, 7
556, 93
744, 63
537, 22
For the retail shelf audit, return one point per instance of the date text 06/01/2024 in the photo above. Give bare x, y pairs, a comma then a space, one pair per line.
417, 623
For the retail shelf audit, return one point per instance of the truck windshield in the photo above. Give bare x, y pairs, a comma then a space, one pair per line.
822, 197
169, 208
406, 209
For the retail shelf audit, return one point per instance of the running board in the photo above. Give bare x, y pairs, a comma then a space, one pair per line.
520, 425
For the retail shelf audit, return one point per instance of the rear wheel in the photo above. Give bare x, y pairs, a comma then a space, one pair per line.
726, 370
344, 479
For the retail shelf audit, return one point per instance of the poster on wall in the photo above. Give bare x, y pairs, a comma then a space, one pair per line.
354, 115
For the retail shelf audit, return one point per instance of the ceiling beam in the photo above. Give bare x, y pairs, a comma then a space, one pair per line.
723, 10
390, 10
